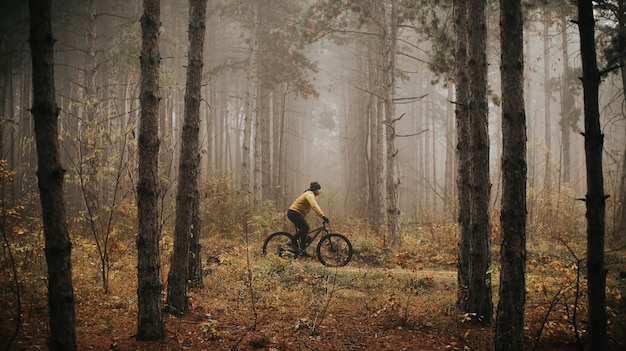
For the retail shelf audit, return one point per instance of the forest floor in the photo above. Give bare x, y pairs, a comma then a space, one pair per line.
251, 302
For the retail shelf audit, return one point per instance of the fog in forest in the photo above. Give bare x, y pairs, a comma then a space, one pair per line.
311, 92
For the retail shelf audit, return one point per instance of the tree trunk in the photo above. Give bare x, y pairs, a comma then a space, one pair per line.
547, 120
189, 161
621, 230
149, 316
389, 62
50, 174
621, 195
250, 108
195, 248
450, 164
462, 149
256, 154
595, 198
374, 115
265, 152
90, 158
510, 316
433, 167
567, 111
479, 292
280, 159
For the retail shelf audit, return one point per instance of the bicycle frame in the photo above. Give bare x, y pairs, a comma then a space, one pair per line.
317, 232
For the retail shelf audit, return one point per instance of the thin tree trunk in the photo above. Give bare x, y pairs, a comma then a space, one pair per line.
479, 293
221, 118
149, 317
392, 183
264, 116
567, 111
621, 195
449, 172
462, 149
374, 114
189, 160
280, 159
547, 120
256, 155
50, 174
595, 198
510, 316
621, 230
88, 135
434, 155
250, 108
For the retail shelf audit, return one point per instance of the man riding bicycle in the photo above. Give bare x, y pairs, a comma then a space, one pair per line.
298, 210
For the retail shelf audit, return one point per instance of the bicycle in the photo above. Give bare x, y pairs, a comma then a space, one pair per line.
333, 249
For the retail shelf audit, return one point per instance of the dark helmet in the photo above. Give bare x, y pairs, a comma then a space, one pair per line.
315, 186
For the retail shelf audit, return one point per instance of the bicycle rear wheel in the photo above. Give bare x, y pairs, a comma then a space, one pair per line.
334, 250
276, 243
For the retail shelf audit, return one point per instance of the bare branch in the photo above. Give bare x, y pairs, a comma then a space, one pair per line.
408, 100
410, 135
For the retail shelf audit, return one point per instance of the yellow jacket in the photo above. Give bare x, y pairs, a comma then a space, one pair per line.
305, 202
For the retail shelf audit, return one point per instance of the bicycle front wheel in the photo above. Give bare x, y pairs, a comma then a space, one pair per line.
276, 244
334, 250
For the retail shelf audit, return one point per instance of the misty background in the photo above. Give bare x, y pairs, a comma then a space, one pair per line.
311, 122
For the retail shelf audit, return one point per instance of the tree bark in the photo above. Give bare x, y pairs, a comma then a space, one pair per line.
195, 248
621, 195
389, 62
250, 109
189, 160
462, 149
547, 120
375, 122
595, 198
264, 114
568, 113
510, 316
479, 289
50, 174
450, 164
149, 316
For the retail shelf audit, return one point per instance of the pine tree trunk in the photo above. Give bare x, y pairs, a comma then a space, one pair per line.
510, 316
547, 120
249, 110
621, 210
462, 149
280, 159
90, 158
392, 183
189, 160
595, 198
265, 152
50, 174
479, 292
276, 140
149, 317
567, 112
375, 119
450, 165
195, 248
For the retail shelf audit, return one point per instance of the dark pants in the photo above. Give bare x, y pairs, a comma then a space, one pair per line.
302, 228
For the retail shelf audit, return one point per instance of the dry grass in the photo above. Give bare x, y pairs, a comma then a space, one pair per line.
383, 300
